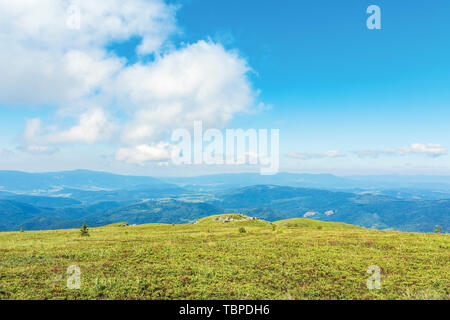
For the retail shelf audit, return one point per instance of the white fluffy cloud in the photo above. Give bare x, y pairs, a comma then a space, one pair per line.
45, 62
141, 154
199, 82
431, 150
92, 126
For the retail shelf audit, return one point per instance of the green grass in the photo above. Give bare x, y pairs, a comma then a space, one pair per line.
309, 223
213, 260
118, 224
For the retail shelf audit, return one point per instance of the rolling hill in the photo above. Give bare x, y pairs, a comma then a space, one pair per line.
213, 259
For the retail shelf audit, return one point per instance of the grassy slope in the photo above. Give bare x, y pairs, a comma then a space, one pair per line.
310, 223
239, 220
212, 260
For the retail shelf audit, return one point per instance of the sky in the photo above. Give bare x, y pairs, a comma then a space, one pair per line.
103, 85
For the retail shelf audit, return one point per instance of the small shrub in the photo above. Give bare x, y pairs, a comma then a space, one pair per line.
84, 231
438, 229
319, 227
242, 230
21, 229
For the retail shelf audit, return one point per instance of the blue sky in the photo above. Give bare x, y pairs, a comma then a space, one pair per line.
326, 81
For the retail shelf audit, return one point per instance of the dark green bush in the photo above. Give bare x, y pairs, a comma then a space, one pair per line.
84, 231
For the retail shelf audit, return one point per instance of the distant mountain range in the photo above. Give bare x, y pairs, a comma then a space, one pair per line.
432, 187
78, 179
38, 201
366, 210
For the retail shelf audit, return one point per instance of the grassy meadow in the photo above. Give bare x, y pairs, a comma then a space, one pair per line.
247, 259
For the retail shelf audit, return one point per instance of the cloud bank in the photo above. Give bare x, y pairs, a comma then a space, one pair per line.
431, 150
312, 156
